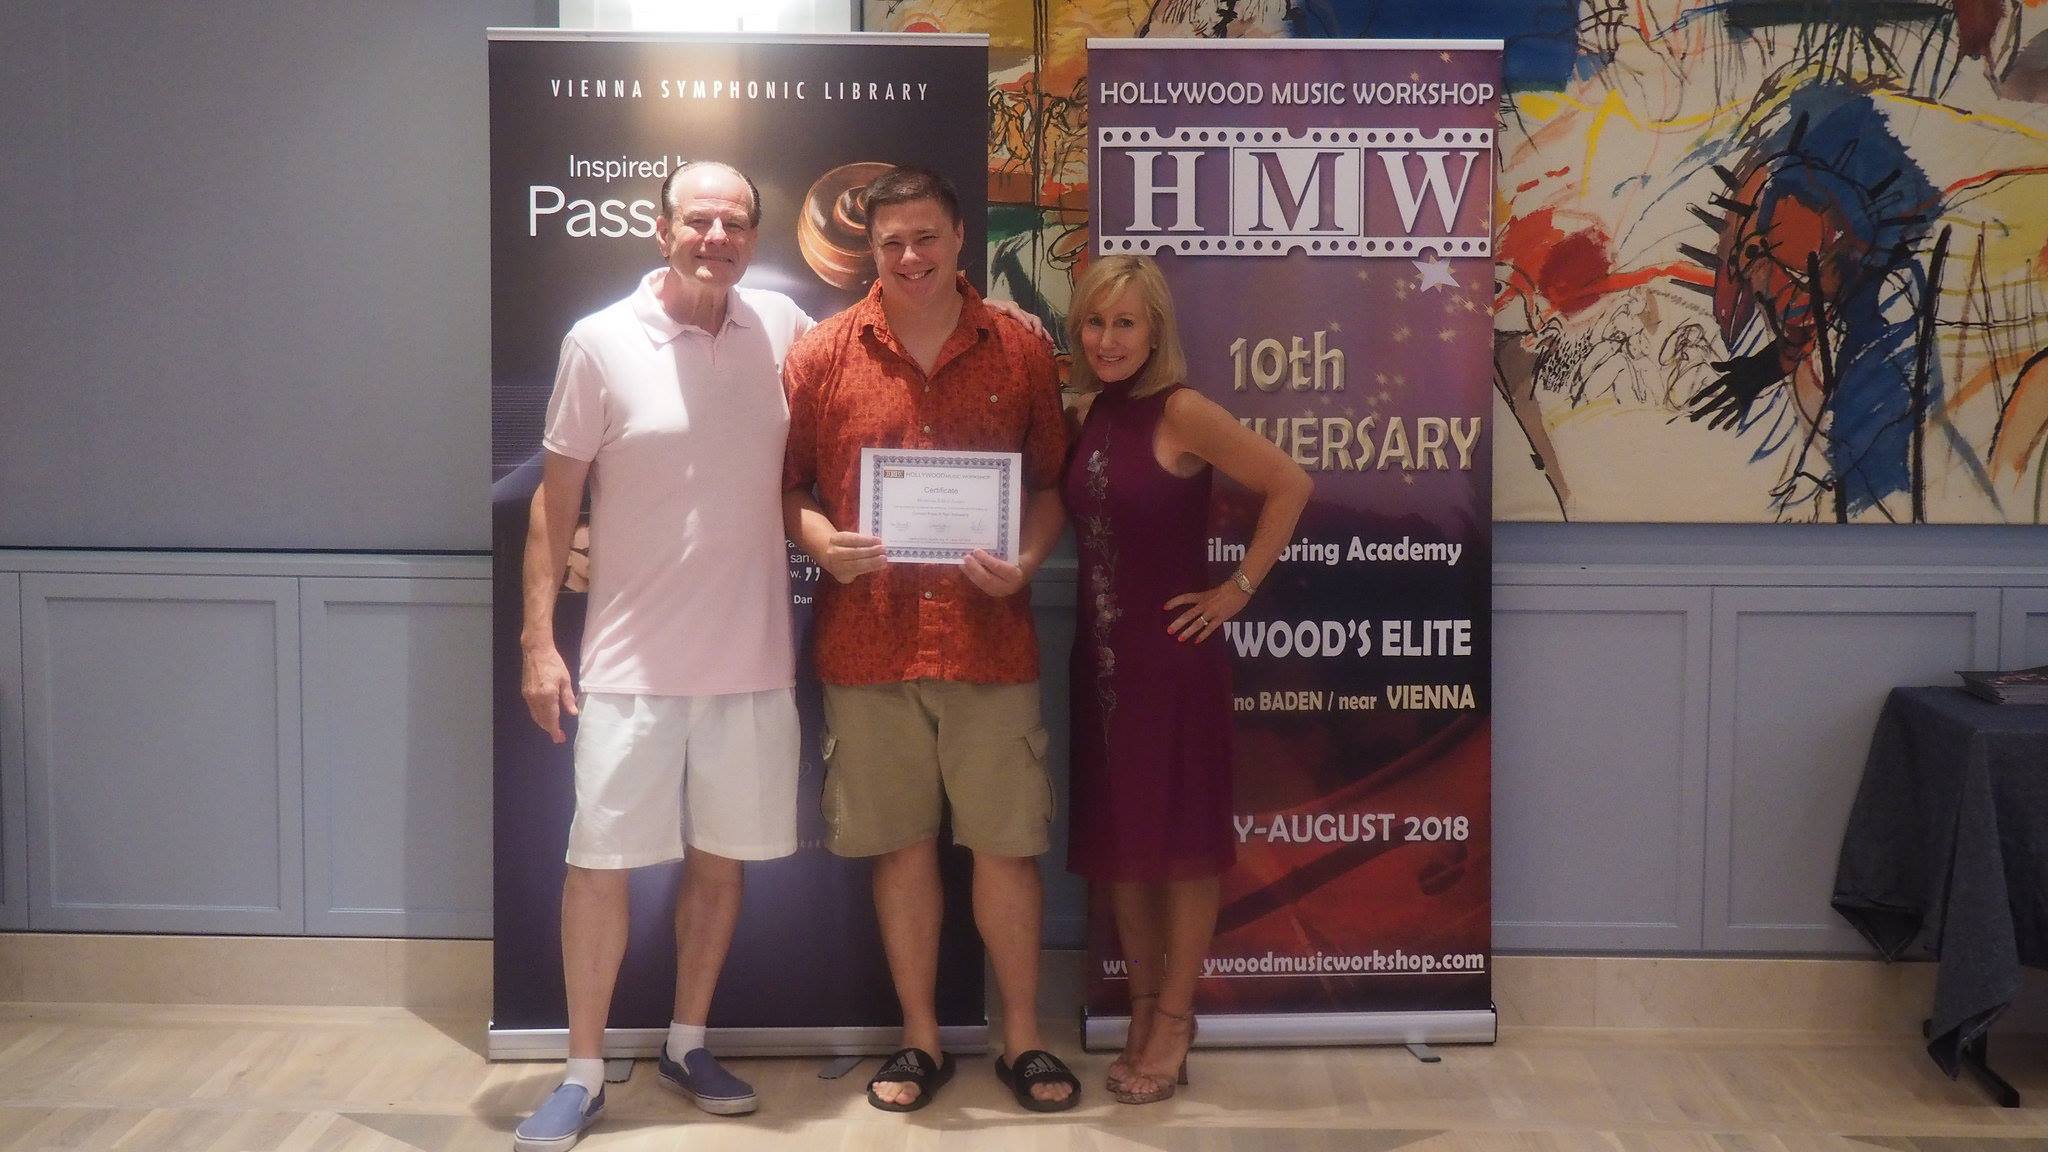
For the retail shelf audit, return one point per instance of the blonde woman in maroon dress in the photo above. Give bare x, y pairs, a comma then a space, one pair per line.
1151, 692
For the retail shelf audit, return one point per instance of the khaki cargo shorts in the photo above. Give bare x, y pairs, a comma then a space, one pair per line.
895, 752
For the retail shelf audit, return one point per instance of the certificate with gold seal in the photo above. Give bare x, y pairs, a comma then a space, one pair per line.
931, 506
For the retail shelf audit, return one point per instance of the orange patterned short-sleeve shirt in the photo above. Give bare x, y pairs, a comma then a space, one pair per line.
851, 385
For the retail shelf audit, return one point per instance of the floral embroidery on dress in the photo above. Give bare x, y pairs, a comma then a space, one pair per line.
1098, 477
1098, 540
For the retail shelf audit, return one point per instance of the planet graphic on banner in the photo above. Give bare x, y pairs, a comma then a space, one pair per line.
832, 230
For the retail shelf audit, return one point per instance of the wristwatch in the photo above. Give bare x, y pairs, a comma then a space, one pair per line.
1243, 582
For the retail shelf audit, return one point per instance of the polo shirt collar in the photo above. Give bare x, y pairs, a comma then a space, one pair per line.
660, 327
870, 316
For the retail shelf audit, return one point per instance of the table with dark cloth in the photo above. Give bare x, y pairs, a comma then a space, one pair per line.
1946, 854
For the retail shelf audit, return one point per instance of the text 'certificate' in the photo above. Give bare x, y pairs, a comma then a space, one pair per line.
934, 507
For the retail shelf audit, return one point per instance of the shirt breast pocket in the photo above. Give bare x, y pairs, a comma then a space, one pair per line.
1001, 418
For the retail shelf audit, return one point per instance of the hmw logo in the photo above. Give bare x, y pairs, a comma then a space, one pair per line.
1378, 192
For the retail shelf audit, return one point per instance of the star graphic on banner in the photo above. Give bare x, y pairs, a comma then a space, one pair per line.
1435, 274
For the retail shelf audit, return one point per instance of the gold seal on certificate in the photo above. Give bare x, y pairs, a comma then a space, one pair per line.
930, 506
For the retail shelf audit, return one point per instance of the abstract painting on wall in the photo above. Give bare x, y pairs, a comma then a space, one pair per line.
1759, 260
1775, 260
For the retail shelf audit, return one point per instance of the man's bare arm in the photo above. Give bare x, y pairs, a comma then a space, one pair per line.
544, 678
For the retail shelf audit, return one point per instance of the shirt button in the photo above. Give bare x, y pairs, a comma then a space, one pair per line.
992, 398
927, 595
927, 429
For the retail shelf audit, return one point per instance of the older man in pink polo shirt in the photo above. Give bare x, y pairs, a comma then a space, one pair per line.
669, 404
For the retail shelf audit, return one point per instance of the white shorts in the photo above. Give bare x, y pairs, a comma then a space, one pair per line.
653, 772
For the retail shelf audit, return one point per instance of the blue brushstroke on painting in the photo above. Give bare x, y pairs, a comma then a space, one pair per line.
1847, 150
1540, 35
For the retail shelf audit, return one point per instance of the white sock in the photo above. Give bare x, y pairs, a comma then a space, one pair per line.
684, 1039
588, 1073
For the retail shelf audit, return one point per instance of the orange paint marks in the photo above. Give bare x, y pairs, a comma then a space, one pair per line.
1976, 23
1994, 174
1063, 194
1527, 185
1682, 270
1566, 269
1574, 271
1554, 173
922, 26
1992, 371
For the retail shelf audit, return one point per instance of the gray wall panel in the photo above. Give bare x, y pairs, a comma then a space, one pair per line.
398, 757
246, 215
13, 762
1799, 676
1599, 767
163, 753
39, 311
2023, 641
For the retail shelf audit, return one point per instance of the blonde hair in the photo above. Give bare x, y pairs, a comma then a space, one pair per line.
1105, 279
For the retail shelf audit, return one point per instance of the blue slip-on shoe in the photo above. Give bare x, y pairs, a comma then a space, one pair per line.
703, 1079
560, 1121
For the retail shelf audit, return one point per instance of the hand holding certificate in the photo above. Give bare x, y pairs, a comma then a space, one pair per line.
930, 506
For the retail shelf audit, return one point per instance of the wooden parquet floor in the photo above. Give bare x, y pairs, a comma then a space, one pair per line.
189, 1079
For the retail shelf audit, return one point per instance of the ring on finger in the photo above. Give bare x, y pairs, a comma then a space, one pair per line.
1201, 621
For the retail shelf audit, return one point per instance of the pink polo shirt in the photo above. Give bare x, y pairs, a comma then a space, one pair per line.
689, 578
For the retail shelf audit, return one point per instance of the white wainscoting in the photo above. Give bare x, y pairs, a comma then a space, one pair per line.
13, 762
299, 744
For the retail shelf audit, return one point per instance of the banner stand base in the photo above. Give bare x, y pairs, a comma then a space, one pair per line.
1312, 1029
645, 1043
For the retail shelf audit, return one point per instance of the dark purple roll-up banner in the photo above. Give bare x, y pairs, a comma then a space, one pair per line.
1323, 212
583, 129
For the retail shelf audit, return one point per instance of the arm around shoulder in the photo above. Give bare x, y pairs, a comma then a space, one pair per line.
1050, 427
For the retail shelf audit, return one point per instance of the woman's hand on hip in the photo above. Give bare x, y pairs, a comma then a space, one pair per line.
1201, 613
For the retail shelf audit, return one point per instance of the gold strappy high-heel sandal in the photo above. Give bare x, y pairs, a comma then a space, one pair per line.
1145, 1088
1120, 1069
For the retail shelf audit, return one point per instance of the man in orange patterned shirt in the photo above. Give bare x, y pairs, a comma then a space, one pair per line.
931, 672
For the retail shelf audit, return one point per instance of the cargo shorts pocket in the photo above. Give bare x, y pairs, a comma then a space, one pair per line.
1002, 795
1038, 740
831, 799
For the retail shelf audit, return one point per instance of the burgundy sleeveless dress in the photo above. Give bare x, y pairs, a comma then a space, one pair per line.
1151, 774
